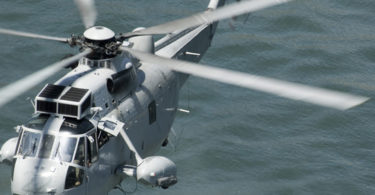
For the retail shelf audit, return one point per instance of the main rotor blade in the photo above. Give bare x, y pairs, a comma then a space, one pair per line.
319, 96
13, 90
32, 35
207, 17
88, 12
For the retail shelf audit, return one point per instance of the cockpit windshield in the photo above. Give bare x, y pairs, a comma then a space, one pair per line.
60, 147
46, 146
29, 144
66, 145
65, 149
34, 143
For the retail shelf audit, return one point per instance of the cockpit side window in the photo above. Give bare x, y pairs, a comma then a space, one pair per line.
74, 177
29, 144
80, 154
46, 146
102, 137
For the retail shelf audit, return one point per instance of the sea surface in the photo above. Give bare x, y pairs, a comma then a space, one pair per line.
234, 141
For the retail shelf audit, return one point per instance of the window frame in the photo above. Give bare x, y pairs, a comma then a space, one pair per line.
89, 152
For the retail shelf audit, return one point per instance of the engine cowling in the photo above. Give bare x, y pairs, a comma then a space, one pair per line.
8, 150
157, 171
143, 43
124, 80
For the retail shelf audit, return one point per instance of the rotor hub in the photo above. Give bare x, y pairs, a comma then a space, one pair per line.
101, 40
99, 33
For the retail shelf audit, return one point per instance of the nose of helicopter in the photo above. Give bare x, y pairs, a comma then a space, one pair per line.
38, 176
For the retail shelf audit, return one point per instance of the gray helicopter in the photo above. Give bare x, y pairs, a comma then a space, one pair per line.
103, 121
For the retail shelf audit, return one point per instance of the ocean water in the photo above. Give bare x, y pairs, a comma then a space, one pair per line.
234, 141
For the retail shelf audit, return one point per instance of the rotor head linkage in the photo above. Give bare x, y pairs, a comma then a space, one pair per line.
100, 39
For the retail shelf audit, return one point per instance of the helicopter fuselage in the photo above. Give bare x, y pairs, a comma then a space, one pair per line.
140, 98
104, 120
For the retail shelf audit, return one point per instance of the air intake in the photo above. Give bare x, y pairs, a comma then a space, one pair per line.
63, 100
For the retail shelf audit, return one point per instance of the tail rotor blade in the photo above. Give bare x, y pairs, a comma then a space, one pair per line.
13, 90
314, 95
88, 12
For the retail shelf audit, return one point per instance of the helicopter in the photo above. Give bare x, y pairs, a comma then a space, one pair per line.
102, 121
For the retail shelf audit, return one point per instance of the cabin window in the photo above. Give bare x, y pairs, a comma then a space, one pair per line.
74, 177
92, 149
152, 112
80, 154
